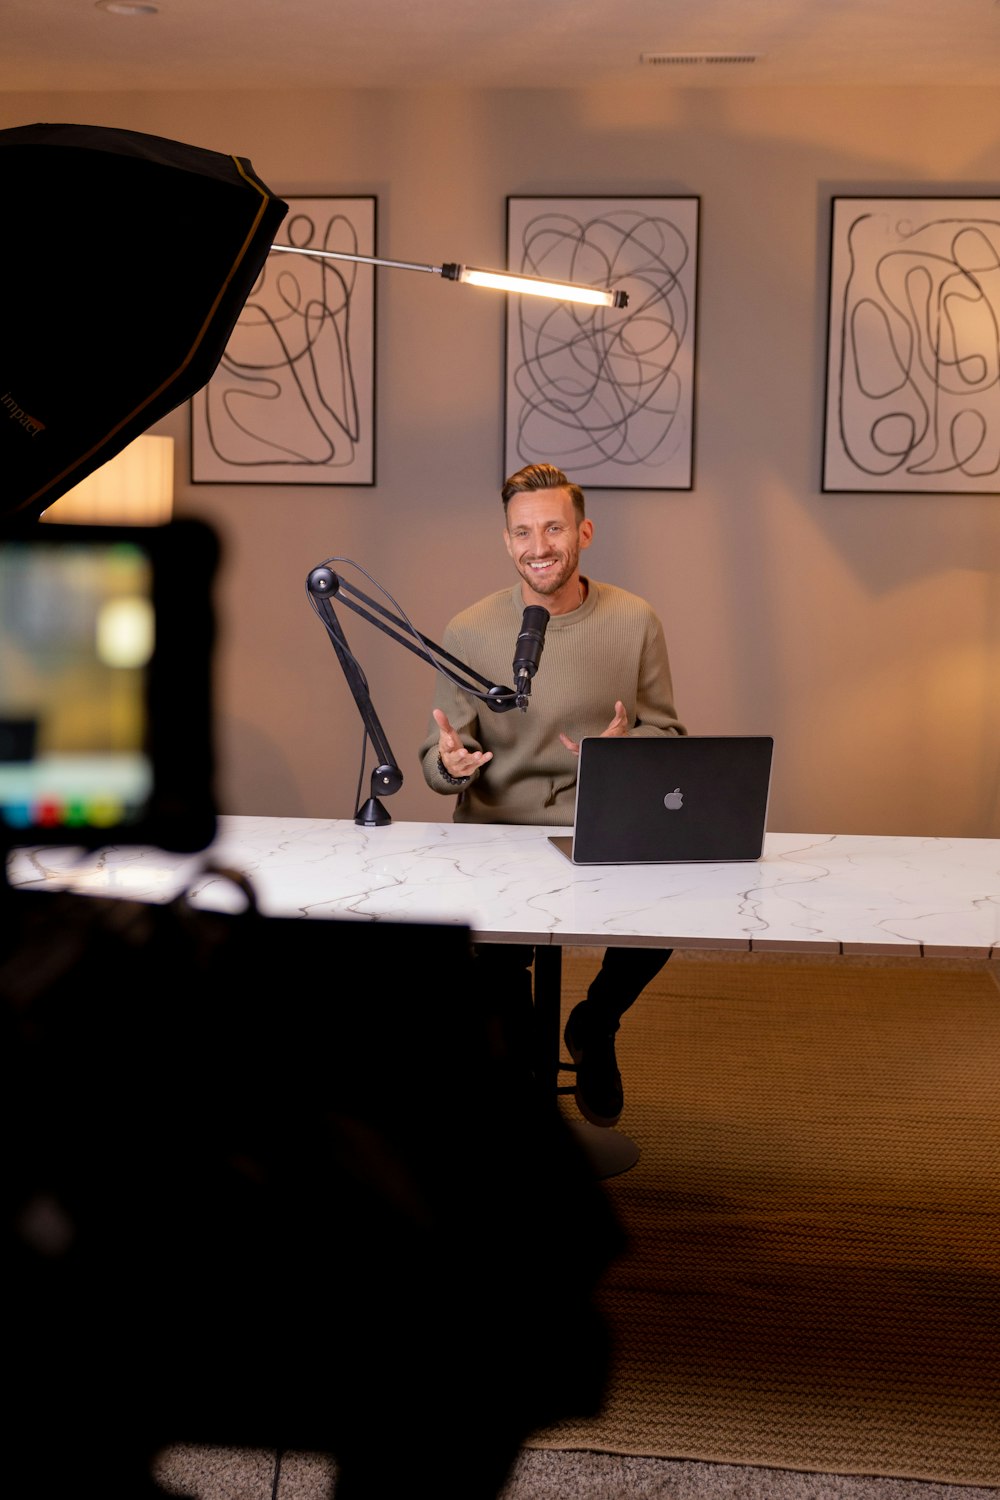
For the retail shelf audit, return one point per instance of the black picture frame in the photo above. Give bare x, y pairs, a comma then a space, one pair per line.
293, 398
607, 394
912, 391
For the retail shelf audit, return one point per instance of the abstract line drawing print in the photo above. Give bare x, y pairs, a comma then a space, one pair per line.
913, 363
606, 393
292, 399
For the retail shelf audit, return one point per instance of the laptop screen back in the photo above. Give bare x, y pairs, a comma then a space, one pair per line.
677, 798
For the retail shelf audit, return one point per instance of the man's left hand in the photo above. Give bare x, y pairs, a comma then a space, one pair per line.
617, 727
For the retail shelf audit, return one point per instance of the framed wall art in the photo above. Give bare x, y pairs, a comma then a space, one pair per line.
605, 393
293, 398
912, 379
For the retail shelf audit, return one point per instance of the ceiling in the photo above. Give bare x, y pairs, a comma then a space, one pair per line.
60, 45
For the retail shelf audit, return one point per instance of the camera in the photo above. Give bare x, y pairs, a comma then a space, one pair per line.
106, 651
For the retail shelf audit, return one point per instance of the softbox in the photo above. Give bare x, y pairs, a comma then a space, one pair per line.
126, 260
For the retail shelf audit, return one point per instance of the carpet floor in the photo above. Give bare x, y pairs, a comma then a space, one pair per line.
812, 1280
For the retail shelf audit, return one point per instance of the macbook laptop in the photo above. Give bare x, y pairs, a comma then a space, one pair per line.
674, 799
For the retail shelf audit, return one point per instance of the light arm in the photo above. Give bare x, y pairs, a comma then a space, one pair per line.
502, 281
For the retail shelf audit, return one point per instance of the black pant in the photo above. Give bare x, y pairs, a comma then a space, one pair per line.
504, 970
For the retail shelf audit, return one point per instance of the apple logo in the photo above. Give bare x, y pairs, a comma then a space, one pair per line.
674, 799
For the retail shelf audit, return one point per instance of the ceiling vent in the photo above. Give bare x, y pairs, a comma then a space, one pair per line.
696, 59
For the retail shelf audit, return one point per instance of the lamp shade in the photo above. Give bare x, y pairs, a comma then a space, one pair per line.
126, 260
134, 488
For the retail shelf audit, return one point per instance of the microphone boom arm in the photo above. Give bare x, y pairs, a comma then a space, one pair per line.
322, 585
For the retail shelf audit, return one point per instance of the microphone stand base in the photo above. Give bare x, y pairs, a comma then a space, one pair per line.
610, 1151
372, 814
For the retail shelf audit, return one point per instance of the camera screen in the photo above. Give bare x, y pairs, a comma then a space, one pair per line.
77, 629
105, 644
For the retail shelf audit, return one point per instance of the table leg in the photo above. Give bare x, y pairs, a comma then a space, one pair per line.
548, 994
610, 1151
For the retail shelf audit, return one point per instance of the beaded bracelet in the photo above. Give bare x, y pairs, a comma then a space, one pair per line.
448, 777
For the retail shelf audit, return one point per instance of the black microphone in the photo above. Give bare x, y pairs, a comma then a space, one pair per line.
528, 651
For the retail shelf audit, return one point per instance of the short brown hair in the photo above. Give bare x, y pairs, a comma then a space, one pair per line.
542, 477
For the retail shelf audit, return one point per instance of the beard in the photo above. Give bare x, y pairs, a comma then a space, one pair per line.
554, 578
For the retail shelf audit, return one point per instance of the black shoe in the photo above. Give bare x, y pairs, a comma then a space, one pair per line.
598, 1092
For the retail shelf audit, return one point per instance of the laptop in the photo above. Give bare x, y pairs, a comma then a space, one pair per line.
673, 799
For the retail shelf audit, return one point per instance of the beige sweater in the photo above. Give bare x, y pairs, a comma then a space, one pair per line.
611, 647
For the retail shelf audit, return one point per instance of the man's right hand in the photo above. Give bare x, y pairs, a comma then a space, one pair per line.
456, 759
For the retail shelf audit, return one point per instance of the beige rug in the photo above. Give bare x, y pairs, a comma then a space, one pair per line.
813, 1278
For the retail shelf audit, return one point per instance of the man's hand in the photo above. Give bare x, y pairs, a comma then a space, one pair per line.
617, 727
456, 759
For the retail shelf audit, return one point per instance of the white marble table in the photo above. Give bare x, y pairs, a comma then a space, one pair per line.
819, 893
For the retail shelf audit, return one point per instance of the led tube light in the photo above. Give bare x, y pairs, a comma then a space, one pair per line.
502, 281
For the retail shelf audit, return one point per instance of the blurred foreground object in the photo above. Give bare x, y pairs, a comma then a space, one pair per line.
260, 1194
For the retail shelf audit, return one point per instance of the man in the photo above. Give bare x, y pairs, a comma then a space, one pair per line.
604, 653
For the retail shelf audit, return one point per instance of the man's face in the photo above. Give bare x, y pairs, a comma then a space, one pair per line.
545, 539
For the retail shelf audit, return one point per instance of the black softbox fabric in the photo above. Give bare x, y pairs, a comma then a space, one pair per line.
125, 262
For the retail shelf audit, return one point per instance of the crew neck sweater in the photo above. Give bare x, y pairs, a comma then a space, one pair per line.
611, 647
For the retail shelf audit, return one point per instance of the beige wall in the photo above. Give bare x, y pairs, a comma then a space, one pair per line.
862, 631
